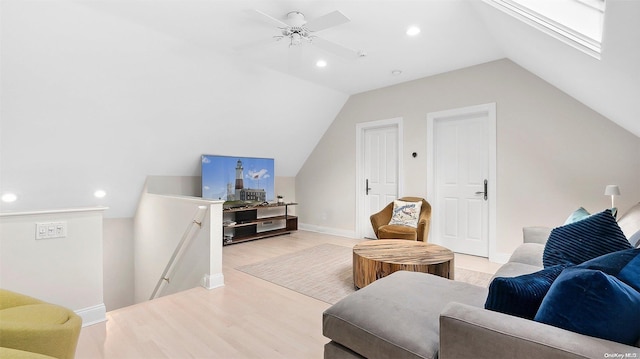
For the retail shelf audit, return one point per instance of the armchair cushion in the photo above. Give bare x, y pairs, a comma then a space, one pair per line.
392, 231
31, 325
21, 354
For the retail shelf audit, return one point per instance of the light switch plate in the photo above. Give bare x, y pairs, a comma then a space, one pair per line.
50, 230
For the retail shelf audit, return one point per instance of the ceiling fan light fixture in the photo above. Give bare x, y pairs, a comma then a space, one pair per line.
296, 39
413, 30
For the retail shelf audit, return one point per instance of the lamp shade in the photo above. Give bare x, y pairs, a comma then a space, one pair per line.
612, 190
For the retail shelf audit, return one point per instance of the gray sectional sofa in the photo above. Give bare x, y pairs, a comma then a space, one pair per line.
417, 315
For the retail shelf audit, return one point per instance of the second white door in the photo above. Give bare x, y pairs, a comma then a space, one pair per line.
462, 181
380, 172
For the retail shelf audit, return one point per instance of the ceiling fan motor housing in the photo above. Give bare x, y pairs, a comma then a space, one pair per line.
296, 19
296, 31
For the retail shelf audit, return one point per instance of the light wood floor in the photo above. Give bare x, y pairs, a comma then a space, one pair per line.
247, 318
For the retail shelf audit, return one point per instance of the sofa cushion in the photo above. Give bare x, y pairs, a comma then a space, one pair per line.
405, 213
513, 269
536, 234
593, 303
577, 215
521, 296
580, 241
624, 265
397, 316
528, 253
630, 223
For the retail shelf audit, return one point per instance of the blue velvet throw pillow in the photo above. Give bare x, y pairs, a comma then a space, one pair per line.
521, 296
586, 239
624, 265
593, 303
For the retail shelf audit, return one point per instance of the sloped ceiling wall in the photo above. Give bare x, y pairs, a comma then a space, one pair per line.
610, 85
90, 101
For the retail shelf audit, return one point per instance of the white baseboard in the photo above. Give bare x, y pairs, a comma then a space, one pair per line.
327, 230
213, 281
92, 315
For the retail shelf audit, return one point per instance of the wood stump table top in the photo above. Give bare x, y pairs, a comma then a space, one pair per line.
378, 258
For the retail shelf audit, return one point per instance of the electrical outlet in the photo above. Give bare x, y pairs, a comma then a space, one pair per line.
51, 230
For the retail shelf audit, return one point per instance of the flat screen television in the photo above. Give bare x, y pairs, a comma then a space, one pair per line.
241, 180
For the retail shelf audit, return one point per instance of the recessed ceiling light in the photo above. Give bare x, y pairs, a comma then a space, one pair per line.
396, 72
413, 31
321, 63
9, 197
100, 193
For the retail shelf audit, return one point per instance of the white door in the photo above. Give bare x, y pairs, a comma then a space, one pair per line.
462, 181
378, 177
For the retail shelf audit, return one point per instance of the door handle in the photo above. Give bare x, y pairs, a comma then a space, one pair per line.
367, 188
484, 193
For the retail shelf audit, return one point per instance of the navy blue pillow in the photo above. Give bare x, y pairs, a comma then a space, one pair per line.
580, 241
593, 303
521, 296
630, 274
624, 265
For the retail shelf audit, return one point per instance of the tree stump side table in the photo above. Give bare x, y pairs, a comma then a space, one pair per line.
378, 258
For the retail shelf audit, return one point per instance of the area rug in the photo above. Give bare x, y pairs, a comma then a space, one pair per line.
324, 272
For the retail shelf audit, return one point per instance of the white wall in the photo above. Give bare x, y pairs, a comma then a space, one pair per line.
92, 100
65, 271
118, 262
165, 217
554, 153
119, 284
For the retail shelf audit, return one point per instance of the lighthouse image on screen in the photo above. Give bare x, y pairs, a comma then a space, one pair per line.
238, 179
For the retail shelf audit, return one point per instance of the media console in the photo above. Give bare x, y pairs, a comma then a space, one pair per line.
256, 222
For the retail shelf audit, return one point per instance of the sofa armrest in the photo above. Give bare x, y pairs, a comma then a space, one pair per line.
536, 234
472, 332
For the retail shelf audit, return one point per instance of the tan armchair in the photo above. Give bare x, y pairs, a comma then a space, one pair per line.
384, 230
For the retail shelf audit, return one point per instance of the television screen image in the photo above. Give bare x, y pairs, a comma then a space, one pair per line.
238, 179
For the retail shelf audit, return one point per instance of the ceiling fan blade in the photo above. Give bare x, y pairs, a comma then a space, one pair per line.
266, 18
326, 21
334, 48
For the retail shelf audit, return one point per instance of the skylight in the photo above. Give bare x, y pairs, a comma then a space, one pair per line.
576, 22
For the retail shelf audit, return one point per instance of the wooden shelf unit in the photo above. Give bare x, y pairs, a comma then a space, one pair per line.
242, 224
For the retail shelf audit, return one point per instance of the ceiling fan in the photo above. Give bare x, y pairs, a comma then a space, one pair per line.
298, 31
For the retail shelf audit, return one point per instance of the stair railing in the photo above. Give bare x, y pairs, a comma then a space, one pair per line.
189, 234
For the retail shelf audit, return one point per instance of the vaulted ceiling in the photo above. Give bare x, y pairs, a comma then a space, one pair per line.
455, 34
101, 93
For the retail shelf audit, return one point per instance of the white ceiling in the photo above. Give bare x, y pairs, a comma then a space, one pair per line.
102, 93
455, 34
